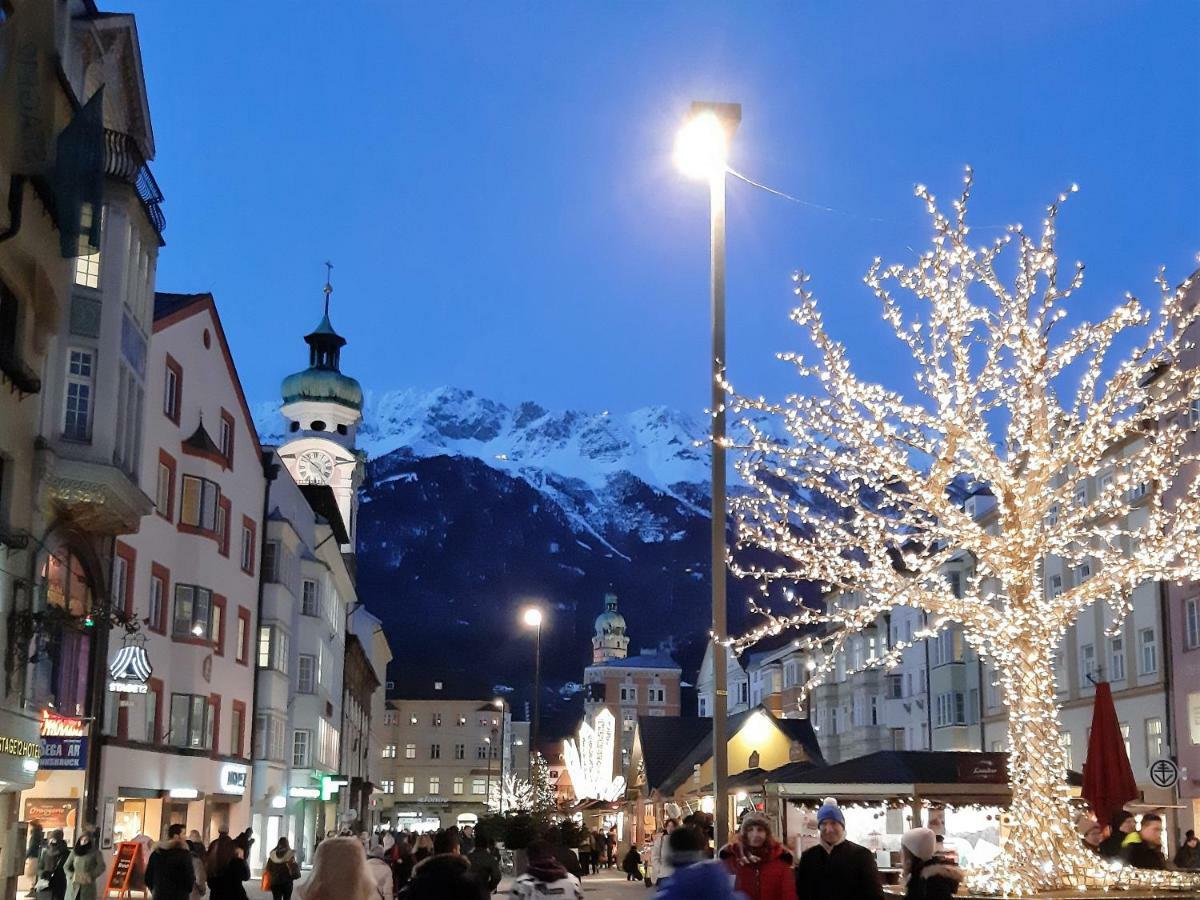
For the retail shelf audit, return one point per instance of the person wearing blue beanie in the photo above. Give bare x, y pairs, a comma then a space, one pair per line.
837, 869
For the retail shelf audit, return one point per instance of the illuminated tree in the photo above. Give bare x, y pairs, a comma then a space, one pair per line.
544, 800
854, 485
510, 795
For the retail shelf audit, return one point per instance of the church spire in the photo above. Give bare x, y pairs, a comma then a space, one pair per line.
328, 285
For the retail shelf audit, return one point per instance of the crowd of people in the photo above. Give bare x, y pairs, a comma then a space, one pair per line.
1138, 844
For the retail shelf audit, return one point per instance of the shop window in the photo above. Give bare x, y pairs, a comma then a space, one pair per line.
129, 820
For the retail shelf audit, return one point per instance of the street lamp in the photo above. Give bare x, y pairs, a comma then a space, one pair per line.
533, 618
500, 705
701, 151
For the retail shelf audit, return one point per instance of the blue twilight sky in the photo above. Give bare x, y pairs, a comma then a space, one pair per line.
493, 182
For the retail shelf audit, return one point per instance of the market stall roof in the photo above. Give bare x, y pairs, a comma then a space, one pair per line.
888, 773
665, 741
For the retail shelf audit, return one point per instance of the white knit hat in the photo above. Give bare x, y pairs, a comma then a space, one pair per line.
920, 842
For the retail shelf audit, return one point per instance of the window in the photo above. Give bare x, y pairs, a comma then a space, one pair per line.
164, 492
833, 720
459, 784
1194, 413
249, 532
1124, 737
191, 725
628, 693
225, 437
1148, 651
1191, 623
951, 709
1080, 497
412, 719
1053, 516
157, 587
173, 390
460, 751
436, 720
237, 729
1087, 663
77, 411
435, 751
301, 748
408, 785
387, 786
311, 601
435, 784
306, 674
657, 695
628, 720
243, 636
410, 751
218, 625
273, 648
224, 514
1064, 738
389, 751
193, 612
87, 268
895, 686
1054, 585
462, 720
1154, 739
1082, 572
478, 785
481, 751
703, 707
201, 502
270, 562
1116, 659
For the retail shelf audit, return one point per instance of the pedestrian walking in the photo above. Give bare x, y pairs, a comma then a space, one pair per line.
1188, 855
403, 865
837, 869
83, 869
466, 840
171, 868
424, 848
199, 867
1123, 824
32, 851
611, 846
693, 875
282, 870
929, 875
52, 881
545, 877
444, 876
660, 860
632, 864
1142, 849
339, 872
760, 865
380, 871
228, 871
483, 861
599, 849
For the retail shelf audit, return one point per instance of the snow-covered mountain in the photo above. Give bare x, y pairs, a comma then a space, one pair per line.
660, 446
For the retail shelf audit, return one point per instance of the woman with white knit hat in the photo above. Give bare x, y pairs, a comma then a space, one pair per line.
929, 876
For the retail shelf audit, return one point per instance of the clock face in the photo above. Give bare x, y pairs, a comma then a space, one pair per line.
314, 467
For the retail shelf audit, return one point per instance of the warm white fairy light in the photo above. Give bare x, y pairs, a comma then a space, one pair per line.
855, 494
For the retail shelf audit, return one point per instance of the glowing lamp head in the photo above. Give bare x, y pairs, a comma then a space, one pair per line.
533, 617
702, 146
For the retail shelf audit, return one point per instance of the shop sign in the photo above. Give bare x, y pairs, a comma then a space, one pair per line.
984, 770
130, 669
304, 793
63, 753
52, 814
234, 778
12, 746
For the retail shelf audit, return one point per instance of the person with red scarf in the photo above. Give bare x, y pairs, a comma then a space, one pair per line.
760, 865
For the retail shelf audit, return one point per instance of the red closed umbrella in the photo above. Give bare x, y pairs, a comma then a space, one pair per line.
1108, 782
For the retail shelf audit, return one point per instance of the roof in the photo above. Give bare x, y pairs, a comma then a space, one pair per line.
320, 498
201, 441
665, 741
909, 767
168, 304
641, 661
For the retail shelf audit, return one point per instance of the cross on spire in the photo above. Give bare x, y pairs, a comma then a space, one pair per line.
328, 284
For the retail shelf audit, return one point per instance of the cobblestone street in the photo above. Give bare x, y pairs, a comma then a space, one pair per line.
609, 885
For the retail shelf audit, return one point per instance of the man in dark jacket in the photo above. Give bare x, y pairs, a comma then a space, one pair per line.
1142, 849
1188, 855
170, 874
837, 869
1123, 823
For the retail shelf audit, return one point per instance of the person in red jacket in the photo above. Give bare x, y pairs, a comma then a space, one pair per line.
760, 865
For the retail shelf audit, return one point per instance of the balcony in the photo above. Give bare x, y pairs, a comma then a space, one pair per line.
98, 498
123, 160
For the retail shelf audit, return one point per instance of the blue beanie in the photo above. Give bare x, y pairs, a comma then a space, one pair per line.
830, 810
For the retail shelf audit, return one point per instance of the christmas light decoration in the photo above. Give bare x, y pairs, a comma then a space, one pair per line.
858, 487
510, 795
591, 757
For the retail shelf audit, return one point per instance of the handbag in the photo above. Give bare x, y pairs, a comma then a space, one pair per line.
42, 884
266, 880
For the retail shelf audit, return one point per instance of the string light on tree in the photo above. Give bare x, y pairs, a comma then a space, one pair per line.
853, 484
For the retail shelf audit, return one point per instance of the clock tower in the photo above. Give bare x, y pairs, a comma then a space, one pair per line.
322, 409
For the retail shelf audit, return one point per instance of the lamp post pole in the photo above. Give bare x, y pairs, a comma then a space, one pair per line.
533, 618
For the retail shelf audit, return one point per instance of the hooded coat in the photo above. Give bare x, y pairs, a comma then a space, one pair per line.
543, 879
762, 875
171, 871
85, 874
934, 879
282, 867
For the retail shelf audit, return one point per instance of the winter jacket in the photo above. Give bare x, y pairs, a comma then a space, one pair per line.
229, 884
847, 870
381, 874
530, 887
171, 871
1110, 847
485, 867
710, 880
765, 874
85, 875
35, 842
568, 860
50, 866
659, 853
632, 863
935, 879
282, 868
1137, 853
1188, 857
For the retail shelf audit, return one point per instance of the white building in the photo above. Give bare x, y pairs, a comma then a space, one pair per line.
369, 631
176, 727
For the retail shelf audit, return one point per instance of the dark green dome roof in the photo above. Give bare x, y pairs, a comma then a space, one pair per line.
323, 385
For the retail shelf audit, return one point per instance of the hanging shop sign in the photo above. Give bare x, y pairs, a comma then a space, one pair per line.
130, 668
53, 813
64, 742
234, 778
990, 769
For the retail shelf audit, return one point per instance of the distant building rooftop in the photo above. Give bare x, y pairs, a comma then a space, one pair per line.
641, 661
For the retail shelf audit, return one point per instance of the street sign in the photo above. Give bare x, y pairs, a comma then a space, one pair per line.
1164, 773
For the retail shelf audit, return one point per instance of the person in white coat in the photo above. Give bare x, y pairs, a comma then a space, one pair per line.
380, 871
660, 856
